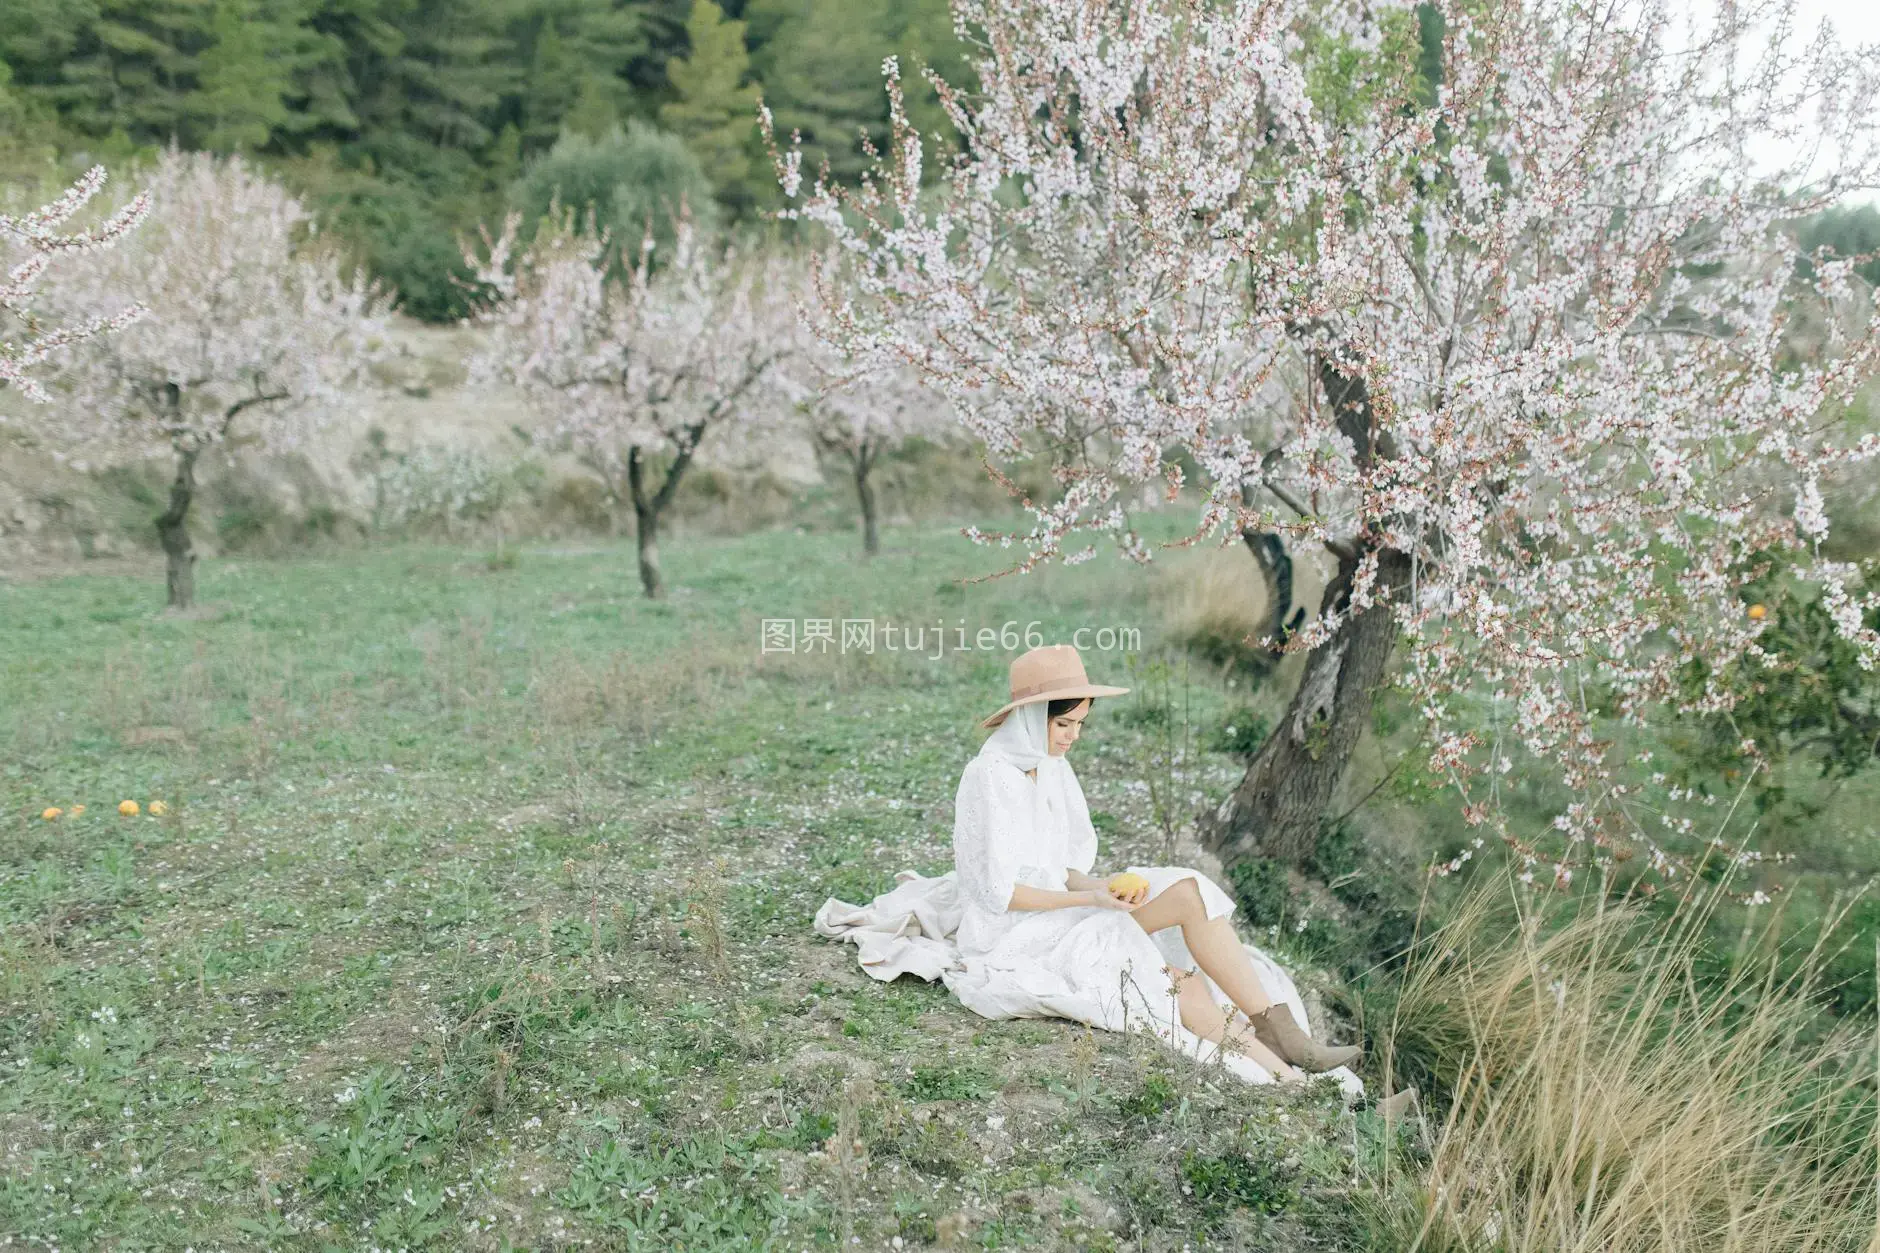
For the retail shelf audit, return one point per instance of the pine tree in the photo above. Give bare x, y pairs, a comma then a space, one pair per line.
452, 74
37, 39
132, 67
820, 65
244, 78
594, 112
425, 72
926, 40
576, 52
715, 107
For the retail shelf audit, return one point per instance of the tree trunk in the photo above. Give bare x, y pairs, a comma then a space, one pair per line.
1276, 571
648, 529
871, 532
1276, 810
173, 532
648, 509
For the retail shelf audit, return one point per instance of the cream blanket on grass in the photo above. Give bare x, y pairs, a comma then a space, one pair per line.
910, 929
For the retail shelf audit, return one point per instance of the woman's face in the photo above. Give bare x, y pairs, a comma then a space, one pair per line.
1065, 728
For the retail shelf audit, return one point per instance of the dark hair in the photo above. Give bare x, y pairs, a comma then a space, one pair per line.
1058, 708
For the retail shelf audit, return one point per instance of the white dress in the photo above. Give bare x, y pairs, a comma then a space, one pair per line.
1087, 963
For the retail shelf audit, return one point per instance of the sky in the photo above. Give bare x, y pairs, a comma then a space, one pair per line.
1856, 21
1856, 24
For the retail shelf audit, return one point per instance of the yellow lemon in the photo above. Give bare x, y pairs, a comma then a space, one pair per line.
52, 813
127, 808
1758, 612
1127, 884
158, 808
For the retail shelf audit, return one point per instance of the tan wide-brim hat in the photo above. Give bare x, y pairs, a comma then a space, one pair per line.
1054, 672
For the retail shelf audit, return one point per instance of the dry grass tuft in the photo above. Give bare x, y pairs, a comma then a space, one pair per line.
632, 694
705, 910
1214, 604
1616, 1088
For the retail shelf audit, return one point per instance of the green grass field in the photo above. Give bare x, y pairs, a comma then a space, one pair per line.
480, 917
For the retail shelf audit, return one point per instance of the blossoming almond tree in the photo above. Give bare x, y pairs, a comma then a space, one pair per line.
860, 415
630, 369
27, 343
1523, 289
258, 333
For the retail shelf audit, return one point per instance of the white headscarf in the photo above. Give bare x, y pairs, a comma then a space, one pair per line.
1021, 739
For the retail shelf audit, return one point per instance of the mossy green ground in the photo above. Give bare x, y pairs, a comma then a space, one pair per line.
480, 918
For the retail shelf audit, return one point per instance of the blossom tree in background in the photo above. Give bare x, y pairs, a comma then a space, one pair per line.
861, 416
1515, 268
259, 331
634, 369
27, 342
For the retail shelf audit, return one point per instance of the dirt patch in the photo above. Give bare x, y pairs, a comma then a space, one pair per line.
376, 1036
21, 1135
537, 815
155, 735
816, 1057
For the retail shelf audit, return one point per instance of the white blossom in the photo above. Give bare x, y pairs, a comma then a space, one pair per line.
1527, 330
28, 338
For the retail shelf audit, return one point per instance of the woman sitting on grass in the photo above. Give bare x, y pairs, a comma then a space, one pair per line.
1040, 936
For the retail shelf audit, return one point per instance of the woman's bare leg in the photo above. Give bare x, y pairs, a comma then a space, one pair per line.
1216, 948
1209, 1021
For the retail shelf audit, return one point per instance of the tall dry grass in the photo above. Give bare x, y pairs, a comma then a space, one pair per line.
1617, 1087
1214, 603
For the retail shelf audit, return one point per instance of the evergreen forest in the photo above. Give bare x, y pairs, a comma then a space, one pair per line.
405, 123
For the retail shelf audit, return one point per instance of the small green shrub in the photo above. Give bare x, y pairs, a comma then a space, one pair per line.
1235, 1179
629, 180
1241, 733
323, 522
247, 521
949, 1083
811, 1130
1148, 714
1322, 938
1261, 888
1149, 1100
1338, 853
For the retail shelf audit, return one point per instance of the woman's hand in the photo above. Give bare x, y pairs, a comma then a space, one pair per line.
1103, 899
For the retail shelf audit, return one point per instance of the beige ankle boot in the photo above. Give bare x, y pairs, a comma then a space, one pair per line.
1397, 1105
1275, 1028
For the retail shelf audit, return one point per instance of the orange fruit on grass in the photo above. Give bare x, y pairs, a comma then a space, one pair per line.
128, 808
52, 813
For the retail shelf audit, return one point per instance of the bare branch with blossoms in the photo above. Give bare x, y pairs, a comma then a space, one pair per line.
1528, 317
259, 332
636, 368
28, 341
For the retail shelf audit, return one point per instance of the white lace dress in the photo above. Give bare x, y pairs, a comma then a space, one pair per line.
1085, 962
